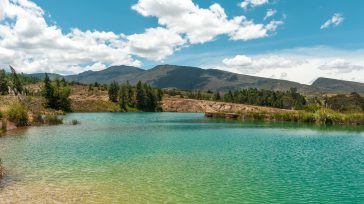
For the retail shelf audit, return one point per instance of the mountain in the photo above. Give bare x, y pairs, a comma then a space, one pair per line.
42, 75
338, 86
193, 78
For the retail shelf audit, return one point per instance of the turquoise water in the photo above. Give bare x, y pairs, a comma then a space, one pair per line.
181, 158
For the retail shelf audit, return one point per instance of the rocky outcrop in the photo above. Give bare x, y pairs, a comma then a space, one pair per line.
200, 106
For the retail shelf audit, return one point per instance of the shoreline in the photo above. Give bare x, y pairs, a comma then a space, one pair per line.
321, 117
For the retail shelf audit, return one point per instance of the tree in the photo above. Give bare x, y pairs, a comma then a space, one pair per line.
131, 95
217, 96
150, 102
140, 96
57, 97
124, 99
113, 91
4, 90
17, 85
61, 96
48, 92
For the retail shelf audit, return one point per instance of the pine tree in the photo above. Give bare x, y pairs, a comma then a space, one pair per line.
48, 92
217, 96
4, 90
113, 91
17, 85
140, 96
123, 100
131, 96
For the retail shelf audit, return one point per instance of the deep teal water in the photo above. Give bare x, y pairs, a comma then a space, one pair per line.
181, 158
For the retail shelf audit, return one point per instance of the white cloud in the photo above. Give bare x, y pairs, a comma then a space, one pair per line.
253, 65
335, 20
201, 25
299, 64
270, 13
341, 66
3, 5
249, 30
252, 3
155, 43
31, 44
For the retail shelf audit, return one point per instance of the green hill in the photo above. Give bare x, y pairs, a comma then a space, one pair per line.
338, 86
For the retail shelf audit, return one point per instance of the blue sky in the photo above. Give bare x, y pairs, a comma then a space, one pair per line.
299, 46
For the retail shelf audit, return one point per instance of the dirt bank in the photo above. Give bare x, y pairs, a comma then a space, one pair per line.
200, 106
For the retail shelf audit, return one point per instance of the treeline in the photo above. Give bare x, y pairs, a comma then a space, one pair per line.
279, 99
15, 82
141, 97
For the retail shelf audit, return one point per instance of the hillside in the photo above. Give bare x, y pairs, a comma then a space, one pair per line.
338, 86
193, 78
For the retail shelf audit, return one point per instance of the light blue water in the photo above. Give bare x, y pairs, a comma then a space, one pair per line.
181, 158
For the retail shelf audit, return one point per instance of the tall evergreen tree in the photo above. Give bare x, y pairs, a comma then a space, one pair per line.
17, 85
57, 97
113, 91
217, 96
48, 92
140, 96
131, 95
123, 100
4, 90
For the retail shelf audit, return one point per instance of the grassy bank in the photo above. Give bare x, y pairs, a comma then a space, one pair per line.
321, 116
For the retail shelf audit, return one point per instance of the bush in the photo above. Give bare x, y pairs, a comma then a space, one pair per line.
38, 119
18, 114
53, 120
3, 126
75, 122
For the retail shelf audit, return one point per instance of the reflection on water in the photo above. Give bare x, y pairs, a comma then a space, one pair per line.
182, 158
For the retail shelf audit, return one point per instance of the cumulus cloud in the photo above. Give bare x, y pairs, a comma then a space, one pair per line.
270, 13
252, 3
201, 25
335, 20
340, 66
3, 5
249, 30
155, 43
302, 65
254, 65
31, 44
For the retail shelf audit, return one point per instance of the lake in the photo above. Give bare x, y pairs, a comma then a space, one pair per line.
181, 158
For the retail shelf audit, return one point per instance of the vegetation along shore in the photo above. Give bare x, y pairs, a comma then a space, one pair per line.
31, 100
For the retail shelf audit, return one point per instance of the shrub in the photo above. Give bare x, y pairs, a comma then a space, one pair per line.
18, 114
3, 126
38, 119
53, 120
75, 122
312, 108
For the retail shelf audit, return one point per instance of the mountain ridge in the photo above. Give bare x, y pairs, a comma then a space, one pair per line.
194, 78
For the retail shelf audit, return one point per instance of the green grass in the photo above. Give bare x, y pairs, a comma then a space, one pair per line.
321, 116
53, 120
